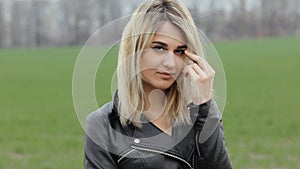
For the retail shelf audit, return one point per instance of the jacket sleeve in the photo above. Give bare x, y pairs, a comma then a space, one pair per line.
96, 149
210, 141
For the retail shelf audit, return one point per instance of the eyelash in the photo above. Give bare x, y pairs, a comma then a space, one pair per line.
180, 52
161, 48
158, 48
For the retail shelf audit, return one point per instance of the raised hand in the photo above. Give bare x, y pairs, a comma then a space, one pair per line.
201, 77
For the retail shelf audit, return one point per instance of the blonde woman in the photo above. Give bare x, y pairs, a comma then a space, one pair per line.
163, 101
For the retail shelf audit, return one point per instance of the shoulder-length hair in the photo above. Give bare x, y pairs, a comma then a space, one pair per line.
137, 35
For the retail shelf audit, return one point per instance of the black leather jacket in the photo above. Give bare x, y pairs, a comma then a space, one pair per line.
109, 145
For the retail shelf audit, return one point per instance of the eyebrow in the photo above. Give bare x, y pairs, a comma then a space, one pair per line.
166, 45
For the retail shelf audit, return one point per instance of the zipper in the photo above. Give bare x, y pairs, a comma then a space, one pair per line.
193, 163
126, 154
197, 144
164, 153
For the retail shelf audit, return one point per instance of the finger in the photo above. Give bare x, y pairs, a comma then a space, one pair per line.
209, 69
196, 59
192, 74
192, 56
196, 68
203, 63
195, 72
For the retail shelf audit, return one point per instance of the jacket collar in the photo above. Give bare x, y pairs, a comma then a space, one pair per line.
152, 138
116, 101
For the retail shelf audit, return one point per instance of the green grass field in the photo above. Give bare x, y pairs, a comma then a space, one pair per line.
39, 127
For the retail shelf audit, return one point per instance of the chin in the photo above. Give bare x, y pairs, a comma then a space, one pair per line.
163, 86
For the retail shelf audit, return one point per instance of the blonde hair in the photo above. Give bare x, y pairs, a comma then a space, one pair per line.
136, 36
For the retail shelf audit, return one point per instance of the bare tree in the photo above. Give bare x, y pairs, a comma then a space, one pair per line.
1, 26
71, 22
16, 24
37, 6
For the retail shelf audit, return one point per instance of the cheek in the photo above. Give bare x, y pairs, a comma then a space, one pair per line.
150, 60
180, 62
147, 75
144, 74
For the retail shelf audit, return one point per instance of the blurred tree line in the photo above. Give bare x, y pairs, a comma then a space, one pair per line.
35, 23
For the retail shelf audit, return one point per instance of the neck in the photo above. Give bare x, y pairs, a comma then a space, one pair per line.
155, 103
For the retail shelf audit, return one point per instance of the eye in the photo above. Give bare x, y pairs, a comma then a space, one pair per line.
158, 48
179, 52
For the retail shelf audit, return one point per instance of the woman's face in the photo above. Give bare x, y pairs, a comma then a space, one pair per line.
163, 60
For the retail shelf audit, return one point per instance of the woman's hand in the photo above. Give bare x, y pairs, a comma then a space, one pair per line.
201, 77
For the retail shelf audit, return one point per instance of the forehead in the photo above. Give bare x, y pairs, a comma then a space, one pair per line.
169, 33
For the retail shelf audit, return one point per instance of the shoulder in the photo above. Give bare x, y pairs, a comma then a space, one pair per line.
100, 115
97, 124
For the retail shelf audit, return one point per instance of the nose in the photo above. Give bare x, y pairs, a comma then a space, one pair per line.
169, 60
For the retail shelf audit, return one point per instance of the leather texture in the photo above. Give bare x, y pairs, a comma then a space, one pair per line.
201, 145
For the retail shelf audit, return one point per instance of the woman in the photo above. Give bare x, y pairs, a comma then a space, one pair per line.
163, 101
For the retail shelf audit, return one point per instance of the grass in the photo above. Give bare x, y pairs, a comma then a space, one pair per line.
39, 128
262, 111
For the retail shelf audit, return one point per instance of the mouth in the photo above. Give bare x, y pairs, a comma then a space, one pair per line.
166, 75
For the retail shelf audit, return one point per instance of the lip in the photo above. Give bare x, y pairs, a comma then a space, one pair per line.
165, 75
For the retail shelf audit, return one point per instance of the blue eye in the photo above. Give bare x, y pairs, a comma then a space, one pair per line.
158, 48
179, 52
